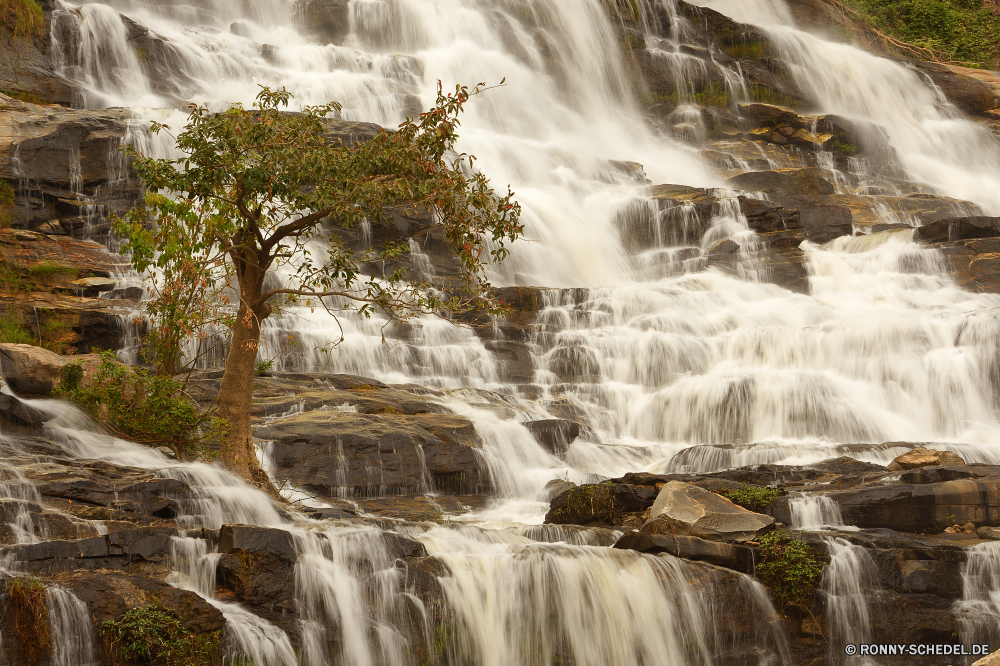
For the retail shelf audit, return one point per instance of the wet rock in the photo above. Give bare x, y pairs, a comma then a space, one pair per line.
921, 457
812, 182
117, 550
555, 435
988, 533
237, 539
557, 487
335, 452
326, 21
59, 151
607, 503
31, 370
963, 91
957, 228
824, 223
719, 553
923, 507
685, 509
15, 411
974, 264
109, 595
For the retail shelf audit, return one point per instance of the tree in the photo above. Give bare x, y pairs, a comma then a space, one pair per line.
255, 185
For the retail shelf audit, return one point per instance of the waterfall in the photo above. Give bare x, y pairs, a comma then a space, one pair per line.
979, 608
72, 629
815, 512
847, 584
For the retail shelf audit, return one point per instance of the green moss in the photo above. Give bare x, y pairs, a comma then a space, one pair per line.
47, 268
789, 567
845, 148
766, 95
752, 498
154, 635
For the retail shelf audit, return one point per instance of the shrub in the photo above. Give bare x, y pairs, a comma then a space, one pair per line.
263, 367
788, 566
752, 498
154, 635
25, 616
142, 407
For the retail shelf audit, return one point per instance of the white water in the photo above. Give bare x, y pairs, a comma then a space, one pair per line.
979, 609
71, 627
847, 584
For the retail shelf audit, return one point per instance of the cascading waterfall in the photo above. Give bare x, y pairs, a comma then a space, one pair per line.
673, 368
72, 629
847, 584
979, 608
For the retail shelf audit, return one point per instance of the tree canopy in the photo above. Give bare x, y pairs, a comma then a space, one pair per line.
254, 186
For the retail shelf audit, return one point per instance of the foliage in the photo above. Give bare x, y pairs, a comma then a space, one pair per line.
262, 367
962, 31
6, 204
25, 618
752, 498
12, 330
154, 635
22, 18
140, 406
254, 189
845, 148
789, 566
249, 174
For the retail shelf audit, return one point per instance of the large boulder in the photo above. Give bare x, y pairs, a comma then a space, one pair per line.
965, 92
719, 553
31, 370
555, 435
377, 454
685, 509
921, 457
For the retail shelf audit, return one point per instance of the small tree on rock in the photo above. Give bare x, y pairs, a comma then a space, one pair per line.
255, 185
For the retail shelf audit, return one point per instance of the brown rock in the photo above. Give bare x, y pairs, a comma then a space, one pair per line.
685, 509
31, 370
920, 457
991, 660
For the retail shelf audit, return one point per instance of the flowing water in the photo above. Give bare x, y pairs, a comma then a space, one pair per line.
671, 366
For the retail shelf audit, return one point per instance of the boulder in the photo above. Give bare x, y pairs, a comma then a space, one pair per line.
991, 533
957, 228
921, 457
721, 554
607, 503
31, 370
18, 412
555, 435
812, 182
685, 509
557, 487
378, 454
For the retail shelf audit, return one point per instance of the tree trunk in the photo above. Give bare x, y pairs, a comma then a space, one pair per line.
236, 389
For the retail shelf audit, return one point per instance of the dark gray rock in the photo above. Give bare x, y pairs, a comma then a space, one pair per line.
555, 435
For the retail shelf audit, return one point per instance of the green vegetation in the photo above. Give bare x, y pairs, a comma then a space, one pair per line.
22, 19
262, 367
765, 95
789, 567
965, 32
12, 329
141, 407
752, 498
46, 268
256, 185
25, 621
845, 148
588, 504
154, 635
